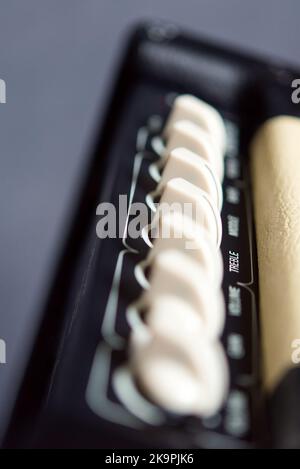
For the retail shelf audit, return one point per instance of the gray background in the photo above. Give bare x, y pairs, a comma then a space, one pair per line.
57, 58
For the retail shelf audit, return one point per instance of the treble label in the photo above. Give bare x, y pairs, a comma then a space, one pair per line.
234, 262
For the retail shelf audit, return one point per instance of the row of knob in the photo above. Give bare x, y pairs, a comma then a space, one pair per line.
175, 351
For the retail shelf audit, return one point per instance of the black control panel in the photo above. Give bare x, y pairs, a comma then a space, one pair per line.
78, 390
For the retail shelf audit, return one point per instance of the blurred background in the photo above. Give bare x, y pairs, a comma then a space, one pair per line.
57, 58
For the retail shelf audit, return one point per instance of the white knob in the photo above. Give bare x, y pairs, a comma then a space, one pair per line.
188, 377
174, 273
188, 107
186, 134
187, 165
177, 231
181, 196
174, 318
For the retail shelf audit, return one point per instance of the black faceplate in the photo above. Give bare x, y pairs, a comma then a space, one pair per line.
53, 409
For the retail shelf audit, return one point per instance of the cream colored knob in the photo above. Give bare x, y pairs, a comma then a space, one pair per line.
181, 196
188, 377
188, 107
187, 165
174, 318
177, 231
174, 273
186, 134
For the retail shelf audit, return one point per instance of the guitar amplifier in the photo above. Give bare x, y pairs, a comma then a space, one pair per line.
171, 320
